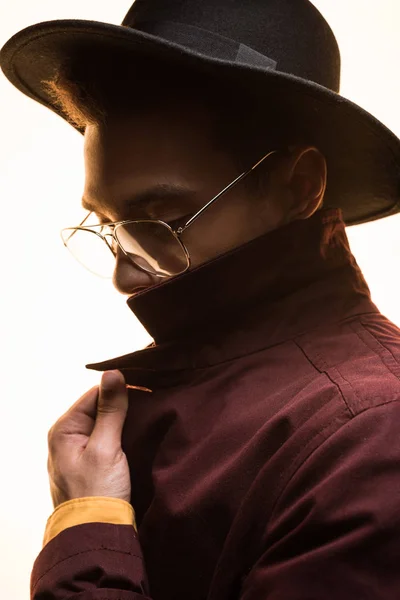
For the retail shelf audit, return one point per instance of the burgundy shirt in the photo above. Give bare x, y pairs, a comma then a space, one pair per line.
265, 465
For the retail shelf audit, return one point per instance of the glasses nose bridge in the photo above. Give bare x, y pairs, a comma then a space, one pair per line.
112, 244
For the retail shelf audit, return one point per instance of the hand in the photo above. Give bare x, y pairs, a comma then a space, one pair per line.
85, 454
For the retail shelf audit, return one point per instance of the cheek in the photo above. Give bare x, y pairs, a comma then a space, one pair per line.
229, 225
216, 232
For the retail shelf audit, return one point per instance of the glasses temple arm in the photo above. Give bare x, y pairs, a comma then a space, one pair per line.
75, 230
228, 187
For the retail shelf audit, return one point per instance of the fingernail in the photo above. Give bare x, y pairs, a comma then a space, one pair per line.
110, 379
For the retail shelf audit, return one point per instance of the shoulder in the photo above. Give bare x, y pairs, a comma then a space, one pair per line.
360, 356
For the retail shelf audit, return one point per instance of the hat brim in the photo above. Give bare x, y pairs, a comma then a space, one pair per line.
363, 155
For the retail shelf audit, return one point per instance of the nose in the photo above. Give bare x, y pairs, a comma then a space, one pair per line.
128, 278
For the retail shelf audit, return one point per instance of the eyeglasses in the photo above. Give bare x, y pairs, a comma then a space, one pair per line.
152, 245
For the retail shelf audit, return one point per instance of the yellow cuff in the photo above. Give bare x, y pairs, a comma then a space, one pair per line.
91, 509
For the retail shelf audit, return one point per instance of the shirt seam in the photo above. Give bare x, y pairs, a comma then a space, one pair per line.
84, 552
318, 447
381, 355
328, 375
284, 485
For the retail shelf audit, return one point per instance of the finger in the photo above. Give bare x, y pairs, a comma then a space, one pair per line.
112, 406
87, 403
81, 416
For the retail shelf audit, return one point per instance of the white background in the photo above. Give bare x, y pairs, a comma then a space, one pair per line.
55, 317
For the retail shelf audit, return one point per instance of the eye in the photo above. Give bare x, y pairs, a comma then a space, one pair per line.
104, 220
179, 222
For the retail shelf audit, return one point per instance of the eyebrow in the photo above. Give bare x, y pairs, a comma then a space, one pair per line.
162, 193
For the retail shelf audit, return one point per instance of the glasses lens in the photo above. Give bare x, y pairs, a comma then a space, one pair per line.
153, 247
90, 250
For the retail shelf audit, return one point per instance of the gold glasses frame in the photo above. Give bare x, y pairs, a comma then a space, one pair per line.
176, 233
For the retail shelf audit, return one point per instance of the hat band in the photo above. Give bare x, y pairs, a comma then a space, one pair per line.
206, 42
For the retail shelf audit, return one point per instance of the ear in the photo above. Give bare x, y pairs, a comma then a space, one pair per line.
306, 181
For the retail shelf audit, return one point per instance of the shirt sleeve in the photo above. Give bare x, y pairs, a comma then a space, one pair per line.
91, 551
91, 509
335, 529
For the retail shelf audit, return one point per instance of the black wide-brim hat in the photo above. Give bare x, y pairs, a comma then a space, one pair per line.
281, 49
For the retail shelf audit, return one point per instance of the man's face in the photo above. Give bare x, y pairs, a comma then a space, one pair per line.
166, 165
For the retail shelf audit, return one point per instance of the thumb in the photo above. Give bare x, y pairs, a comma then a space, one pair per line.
112, 406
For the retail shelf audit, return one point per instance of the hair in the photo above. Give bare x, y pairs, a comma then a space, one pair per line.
99, 83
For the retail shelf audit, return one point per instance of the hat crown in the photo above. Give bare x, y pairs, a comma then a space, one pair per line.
292, 33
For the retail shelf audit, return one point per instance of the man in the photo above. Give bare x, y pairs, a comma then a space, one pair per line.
255, 450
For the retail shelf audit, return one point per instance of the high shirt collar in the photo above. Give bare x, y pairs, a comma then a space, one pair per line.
267, 268
289, 280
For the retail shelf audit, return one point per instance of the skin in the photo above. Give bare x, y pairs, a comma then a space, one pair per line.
85, 454
124, 160
175, 148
